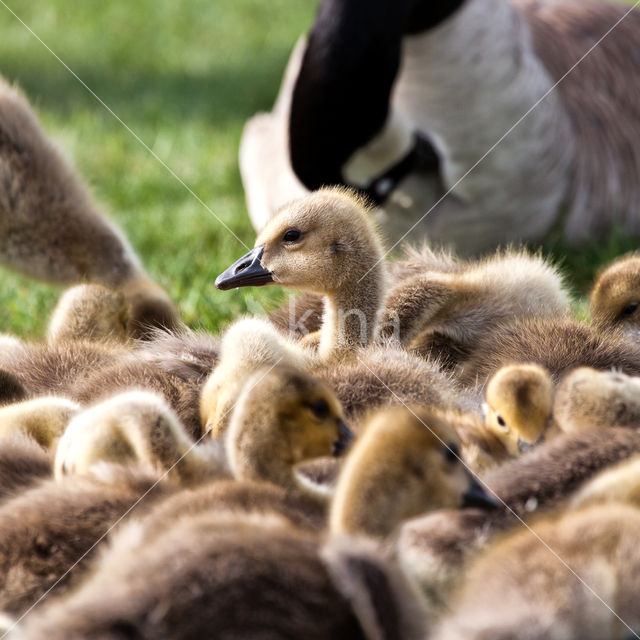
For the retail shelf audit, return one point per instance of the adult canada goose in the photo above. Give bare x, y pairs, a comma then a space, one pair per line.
507, 108
51, 229
581, 583
615, 296
413, 454
244, 576
559, 345
89, 312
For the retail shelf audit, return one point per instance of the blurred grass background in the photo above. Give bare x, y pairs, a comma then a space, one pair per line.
185, 76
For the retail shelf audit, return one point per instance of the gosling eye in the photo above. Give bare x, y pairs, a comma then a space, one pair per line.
630, 309
292, 235
451, 453
502, 423
320, 409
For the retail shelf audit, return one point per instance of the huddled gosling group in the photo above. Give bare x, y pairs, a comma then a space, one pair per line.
424, 447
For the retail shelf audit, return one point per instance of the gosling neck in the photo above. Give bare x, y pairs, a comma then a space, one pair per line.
351, 314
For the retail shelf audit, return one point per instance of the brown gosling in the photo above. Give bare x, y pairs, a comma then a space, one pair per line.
239, 574
89, 372
187, 353
559, 345
518, 403
302, 314
136, 427
248, 345
55, 526
283, 417
435, 548
587, 398
43, 419
615, 296
405, 462
443, 313
23, 464
581, 583
375, 377
11, 389
620, 483
324, 243
52, 229
58, 369
90, 312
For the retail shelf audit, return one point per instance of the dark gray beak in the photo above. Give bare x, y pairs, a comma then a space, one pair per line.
477, 497
345, 438
246, 272
524, 446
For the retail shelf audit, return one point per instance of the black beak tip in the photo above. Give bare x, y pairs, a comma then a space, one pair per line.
476, 497
524, 446
221, 283
345, 438
245, 272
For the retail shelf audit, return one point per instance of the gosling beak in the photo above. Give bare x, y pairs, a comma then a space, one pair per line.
345, 438
246, 272
476, 496
524, 446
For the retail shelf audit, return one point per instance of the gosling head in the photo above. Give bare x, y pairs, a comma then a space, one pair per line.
132, 428
325, 243
519, 398
405, 463
615, 296
248, 345
283, 416
90, 312
319, 243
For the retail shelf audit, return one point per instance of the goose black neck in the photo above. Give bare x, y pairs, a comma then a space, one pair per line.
341, 97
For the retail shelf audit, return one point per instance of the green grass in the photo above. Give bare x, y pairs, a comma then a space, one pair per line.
184, 76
